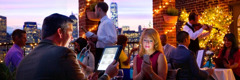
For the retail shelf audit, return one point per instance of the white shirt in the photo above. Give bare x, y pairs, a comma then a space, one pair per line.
194, 35
183, 46
107, 34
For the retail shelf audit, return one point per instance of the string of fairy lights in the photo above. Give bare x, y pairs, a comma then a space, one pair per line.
219, 18
162, 6
82, 11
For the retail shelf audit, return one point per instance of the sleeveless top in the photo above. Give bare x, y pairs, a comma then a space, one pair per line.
153, 59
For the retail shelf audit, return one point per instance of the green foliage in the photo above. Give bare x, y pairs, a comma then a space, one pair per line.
92, 6
220, 19
172, 11
5, 73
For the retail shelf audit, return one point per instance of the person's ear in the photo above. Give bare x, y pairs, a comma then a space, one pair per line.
60, 32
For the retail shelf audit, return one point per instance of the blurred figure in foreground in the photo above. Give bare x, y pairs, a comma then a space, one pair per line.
51, 59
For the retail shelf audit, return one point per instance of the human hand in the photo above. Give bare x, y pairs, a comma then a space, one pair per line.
84, 29
210, 71
93, 76
147, 68
112, 69
133, 50
93, 38
226, 65
204, 27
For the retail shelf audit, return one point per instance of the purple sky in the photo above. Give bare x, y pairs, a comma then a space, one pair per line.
131, 12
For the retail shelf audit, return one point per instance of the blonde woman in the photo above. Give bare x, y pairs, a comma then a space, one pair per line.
150, 44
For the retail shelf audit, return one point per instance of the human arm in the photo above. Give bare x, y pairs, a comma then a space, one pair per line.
236, 61
195, 69
204, 34
71, 66
82, 65
162, 69
16, 58
90, 62
136, 76
107, 33
193, 35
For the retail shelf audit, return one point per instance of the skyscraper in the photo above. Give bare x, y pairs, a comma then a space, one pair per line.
3, 30
75, 33
32, 32
125, 28
114, 13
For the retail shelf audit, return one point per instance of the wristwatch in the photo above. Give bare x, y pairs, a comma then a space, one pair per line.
105, 74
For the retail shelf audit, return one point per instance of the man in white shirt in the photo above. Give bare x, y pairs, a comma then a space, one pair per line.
106, 33
195, 34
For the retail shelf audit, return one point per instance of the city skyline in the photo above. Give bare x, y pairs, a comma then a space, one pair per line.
17, 12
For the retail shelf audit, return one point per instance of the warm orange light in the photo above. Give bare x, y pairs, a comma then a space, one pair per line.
166, 3
160, 6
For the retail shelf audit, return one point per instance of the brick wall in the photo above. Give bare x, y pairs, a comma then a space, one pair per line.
84, 6
158, 22
162, 27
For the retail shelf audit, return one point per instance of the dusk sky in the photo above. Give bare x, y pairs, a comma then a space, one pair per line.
130, 12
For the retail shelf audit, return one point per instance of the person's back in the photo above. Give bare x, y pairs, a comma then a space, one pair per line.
185, 59
181, 58
48, 61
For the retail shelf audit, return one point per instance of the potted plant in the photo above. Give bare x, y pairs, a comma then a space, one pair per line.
172, 15
91, 14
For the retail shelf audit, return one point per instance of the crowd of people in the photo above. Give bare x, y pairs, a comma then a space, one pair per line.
53, 60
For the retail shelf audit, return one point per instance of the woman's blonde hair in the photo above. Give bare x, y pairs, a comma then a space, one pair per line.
155, 36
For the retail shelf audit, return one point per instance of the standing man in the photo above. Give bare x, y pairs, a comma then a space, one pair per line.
194, 35
106, 33
51, 59
15, 53
185, 59
168, 48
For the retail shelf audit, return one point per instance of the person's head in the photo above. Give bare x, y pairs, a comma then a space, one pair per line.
164, 39
19, 37
193, 18
101, 9
183, 38
150, 41
229, 43
58, 28
122, 40
79, 44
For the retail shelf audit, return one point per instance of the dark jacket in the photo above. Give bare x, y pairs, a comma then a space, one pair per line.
50, 62
186, 60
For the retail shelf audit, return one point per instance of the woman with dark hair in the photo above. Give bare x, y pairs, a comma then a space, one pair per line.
231, 53
124, 58
84, 56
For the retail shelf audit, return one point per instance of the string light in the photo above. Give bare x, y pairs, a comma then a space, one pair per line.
162, 5
169, 31
219, 19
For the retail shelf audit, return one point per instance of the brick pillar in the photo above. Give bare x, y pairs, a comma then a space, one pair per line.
84, 6
158, 22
